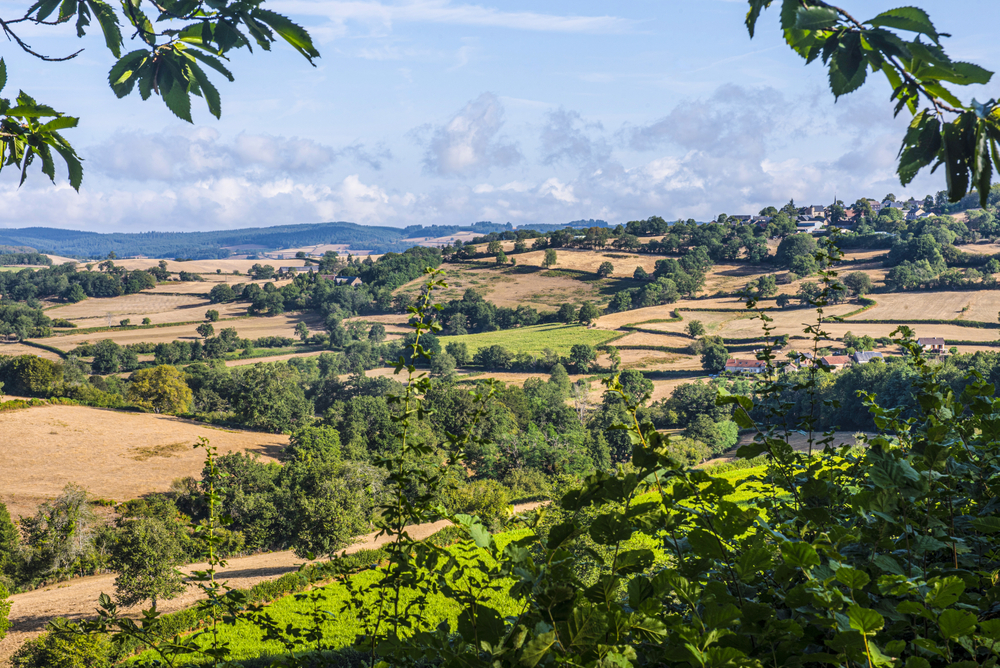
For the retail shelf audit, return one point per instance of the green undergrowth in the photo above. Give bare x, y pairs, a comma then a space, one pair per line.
535, 339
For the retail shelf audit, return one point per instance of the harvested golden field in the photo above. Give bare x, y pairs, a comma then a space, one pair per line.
981, 305
951, 332
157, 307
59, 259
248, 328
589, 261
511, 286
112, 454
648, 339
15, 349
204, 287
981, 248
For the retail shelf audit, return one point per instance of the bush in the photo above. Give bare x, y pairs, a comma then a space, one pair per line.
60, 650
4, 609
486, 499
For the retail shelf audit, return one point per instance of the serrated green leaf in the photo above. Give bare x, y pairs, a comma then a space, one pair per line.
177, 99
108, 21
61, 123
48, 165
921, 145
815, 18
44, 8
209, 92
291, 32
3, 74
122, 78
754, 13
956, 623
211, 61
912, 19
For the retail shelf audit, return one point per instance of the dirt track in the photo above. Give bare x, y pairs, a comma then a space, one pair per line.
76, 599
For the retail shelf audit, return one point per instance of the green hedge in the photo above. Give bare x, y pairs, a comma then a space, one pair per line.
51, 349
974, 324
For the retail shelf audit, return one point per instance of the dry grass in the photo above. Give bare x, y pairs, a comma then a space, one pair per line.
203, 266
981, 305
59, 259
159, 308
112, 454
15, 349
248, 328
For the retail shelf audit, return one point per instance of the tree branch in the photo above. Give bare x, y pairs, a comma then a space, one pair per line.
12, 36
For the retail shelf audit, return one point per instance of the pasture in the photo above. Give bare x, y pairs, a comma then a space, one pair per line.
158, 307
112, 454
557, 337
247, 328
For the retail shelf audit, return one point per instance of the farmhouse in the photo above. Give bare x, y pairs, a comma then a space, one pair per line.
865, 356
745, 366
835, 362
933, 344
810, 225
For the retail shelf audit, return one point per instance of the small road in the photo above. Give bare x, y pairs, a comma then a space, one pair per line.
77, 599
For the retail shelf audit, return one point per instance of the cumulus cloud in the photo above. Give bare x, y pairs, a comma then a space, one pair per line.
471, 143
567, 137
189, 154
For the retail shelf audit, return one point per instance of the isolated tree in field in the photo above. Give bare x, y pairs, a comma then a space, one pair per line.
494, 247
550, 258
713, 358
125, 322
162, 389
641, 274
859, 283
147, 321
501, 258
145, 555
205, 330
783, 300
695, 329
302, 331
589, 313
212, 315
566, 314
520, 246
605, 270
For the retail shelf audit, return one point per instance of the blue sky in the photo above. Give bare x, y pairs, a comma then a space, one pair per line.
445, 112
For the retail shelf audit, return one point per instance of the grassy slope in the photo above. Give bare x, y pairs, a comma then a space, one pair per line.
558, 337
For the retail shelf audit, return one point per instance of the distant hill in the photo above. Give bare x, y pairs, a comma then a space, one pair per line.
218, 244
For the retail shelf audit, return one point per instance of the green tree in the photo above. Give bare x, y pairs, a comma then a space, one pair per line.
320, 442
222, 293
443, 365
205, 330
581, 356
459, 351
269, 397
550, 258
145, 555
605, 270
377, 333
501, 258
212, 315
695, 329
125, 322
566, 314
4, 611
589, 313
859, 283
302, 331
713, 358
162, 389
9, 546
793, 247
74, 293
494, 247
147, 321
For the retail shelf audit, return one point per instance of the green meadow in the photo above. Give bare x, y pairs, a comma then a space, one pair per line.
555, 336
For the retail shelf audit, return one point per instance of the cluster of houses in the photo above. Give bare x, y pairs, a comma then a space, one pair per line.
352, 281
815, 219
934, 345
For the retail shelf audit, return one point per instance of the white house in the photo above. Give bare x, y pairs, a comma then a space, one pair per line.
745, 366
932, 344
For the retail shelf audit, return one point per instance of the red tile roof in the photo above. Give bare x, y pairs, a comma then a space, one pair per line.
835, 360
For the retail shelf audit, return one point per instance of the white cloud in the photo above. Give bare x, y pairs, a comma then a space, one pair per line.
567, 137
192, 153
470, 143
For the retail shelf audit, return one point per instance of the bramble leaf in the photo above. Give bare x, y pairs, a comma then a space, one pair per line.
912, 19
815, 18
